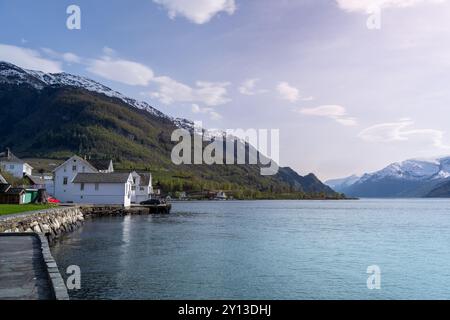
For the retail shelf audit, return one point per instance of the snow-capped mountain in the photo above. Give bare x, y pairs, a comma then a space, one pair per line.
56, 115
343, 182
409, 169
13, 74
409, 178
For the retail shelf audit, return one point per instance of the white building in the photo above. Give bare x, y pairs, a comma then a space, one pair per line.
94, 182
221, 196
64, 175
142, 187
102, 188
13, 165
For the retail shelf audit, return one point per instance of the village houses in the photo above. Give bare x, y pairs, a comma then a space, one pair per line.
13, 165
78, 180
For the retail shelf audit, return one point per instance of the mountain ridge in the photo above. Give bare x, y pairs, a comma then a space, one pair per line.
56, 115
408, 178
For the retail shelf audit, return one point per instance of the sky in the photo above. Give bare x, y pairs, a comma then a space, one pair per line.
352, 85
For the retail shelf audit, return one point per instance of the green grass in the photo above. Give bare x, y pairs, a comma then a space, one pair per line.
19, 208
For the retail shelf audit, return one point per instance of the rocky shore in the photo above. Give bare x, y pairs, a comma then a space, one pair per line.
55, 222
52, 222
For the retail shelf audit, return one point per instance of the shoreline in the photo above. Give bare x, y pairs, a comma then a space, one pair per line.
45, 227
29, 270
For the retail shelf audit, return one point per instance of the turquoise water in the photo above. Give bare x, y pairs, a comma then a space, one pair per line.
266, 250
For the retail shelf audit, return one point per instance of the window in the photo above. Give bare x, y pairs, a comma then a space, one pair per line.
11, 166
65, 180
82, 187
96, 187
74, 168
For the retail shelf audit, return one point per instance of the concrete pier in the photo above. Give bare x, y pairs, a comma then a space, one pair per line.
27, 269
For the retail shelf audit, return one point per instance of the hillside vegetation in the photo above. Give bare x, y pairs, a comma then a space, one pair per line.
57, 121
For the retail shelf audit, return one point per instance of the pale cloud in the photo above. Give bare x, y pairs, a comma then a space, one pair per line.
124, 71
214, 115
403, 130
197, 109
68, 57
248, 87
109, 51
207, 93
168, 91
28, 59
334, 112
197, 11
288, 92
364, 5
71, 57
111, 67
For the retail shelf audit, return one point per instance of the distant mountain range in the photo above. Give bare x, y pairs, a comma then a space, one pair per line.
56, 115
410, 178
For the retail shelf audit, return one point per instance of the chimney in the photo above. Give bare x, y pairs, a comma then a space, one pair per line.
8, 153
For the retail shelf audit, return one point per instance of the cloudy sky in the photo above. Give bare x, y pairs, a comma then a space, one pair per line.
347, 97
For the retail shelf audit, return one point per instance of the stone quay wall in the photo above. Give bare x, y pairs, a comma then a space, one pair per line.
55, 222
51, 222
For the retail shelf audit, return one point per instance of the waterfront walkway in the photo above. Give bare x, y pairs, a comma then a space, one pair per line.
23, 271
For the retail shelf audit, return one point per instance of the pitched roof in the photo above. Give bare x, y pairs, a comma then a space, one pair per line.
8, 156
4, 187
145, 179
3, 180
36, 180
75, 158
100, 164
15, 191
101, 178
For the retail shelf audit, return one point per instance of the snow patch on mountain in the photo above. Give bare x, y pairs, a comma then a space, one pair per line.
12, 74
343, 182
409, 170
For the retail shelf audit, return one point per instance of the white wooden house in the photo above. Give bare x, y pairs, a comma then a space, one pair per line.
64, 175
102, 188
142, 187
13, 165
78, 180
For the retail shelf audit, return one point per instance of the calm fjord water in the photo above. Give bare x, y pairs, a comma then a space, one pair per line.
266, 250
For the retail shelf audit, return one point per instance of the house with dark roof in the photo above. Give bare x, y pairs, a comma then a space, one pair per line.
102, 188
10, 195
15, 166
103, 166
36, 182
64, 174
142, 186
79, 180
